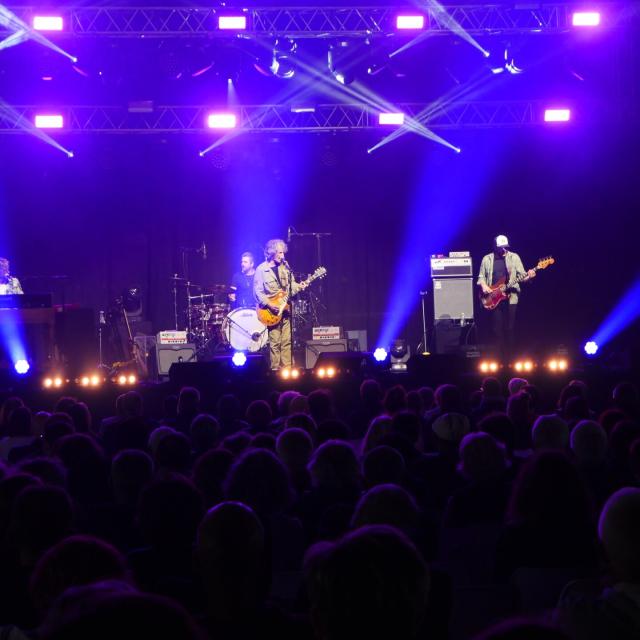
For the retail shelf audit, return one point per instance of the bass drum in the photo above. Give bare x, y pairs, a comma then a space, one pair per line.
243, 331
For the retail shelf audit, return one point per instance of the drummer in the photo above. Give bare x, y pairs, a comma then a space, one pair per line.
242, 283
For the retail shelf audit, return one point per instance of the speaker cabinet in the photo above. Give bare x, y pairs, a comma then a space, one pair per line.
453, 299
167, 354
313, 348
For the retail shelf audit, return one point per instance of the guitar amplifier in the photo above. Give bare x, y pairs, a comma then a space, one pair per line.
457, 265
167, 354
313, 348
453, 299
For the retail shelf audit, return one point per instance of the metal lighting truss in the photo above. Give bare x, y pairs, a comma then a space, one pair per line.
277, 118
322, 22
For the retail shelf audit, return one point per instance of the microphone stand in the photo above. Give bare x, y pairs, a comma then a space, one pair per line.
318, 235
425, 344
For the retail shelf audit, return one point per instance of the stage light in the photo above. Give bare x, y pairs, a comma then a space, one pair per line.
341, 59
122, 379
239, 359
47, 383
585, 19
331, 372
557, 364
221, 121
391, 118
21, 366
488, 366
410, 22
380, 354
85, 381
321, 372
132, 379
48, 23
232, 23
51, 121
591, 348
295, 374
282, 63
557, 115
285, 374
58, 382
523, 365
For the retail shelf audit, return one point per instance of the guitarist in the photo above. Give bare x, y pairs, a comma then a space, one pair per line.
272, 277
503, 265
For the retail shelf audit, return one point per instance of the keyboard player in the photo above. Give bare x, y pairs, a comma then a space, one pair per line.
8, 284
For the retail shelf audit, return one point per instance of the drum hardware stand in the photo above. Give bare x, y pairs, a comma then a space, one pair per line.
102, 321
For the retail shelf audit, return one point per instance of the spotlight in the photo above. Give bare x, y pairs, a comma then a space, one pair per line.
52, 121
122, 379
239, 359
523, 365
131, 379
400, 353
285, 374
232, 23
557, 364
85, 381
557, 115
282, 64
295, 373
391, 118
21, 366
488, 366
47, 383
331, 372
591, 348
585, 19
48, 23
321, 372
221, 121
340, 59
380, 354
409, 22
58, 382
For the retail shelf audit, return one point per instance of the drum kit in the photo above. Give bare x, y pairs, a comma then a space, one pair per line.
212, 325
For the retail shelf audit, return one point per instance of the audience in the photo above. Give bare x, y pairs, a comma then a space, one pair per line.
337, 514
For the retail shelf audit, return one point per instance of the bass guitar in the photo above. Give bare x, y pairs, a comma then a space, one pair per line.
280, 301
499, 290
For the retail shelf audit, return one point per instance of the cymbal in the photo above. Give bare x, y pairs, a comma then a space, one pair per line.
200, 296
219, 288
177, 279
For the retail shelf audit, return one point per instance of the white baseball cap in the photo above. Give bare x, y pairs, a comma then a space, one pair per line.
501, 241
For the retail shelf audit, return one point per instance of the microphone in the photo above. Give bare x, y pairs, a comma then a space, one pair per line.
286, 264
203, 250
288, 234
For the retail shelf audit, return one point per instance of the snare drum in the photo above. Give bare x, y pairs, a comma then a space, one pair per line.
243, 331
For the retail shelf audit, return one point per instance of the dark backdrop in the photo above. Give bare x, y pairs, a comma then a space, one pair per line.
116, 215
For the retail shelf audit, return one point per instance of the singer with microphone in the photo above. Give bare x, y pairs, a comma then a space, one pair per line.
242, 283
272, 277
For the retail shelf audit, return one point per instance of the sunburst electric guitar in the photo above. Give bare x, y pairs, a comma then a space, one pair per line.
280, 301
499, 290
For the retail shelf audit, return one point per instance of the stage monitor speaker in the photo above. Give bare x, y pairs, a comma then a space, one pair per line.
453, 299
168, 354
313, 348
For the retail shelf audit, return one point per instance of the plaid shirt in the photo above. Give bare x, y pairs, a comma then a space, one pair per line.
514, 266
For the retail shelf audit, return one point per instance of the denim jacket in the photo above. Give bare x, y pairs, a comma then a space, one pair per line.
514, 266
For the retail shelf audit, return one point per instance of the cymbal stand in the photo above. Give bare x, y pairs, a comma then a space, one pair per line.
424, 344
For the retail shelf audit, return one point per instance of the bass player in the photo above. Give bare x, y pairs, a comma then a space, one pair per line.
272, 277
503, 266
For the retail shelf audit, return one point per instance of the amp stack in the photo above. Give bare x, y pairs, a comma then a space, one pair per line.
452, 278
